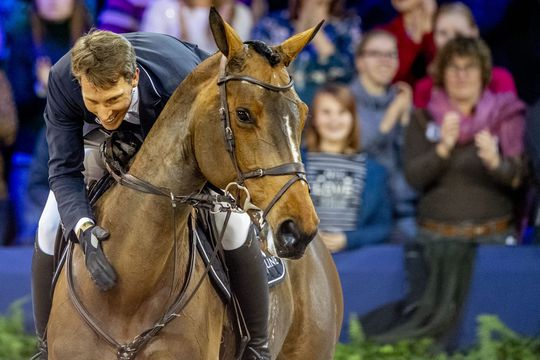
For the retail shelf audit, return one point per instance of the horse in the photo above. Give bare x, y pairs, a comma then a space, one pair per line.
246, 87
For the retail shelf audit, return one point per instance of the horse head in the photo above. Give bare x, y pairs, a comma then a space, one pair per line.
258, 117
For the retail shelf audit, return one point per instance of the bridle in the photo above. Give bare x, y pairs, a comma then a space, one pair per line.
296, 169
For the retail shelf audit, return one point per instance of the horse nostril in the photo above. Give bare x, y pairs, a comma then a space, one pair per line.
289, 233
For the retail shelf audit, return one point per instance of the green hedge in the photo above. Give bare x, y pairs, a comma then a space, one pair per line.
15, 343
495, 342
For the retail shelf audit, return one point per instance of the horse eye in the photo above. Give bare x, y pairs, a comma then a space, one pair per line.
243, 115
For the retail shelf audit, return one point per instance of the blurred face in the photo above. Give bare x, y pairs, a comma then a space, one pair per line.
405, 5
463, 79
378, 63
317, 9
55, 10
332, 120
109, 105
449, 25
304, 4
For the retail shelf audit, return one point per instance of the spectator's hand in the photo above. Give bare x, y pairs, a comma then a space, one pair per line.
488, 149
90, 237
42, 68
429, 7
334, 241
449, 134
399, 108
420, 21
310, 15
404, 102
258, 9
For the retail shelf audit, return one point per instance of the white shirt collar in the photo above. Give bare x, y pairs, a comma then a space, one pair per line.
132, 114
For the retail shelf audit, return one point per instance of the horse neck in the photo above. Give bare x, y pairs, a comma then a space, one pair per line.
166, 160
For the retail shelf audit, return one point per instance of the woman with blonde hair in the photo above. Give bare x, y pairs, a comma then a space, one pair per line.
349, 190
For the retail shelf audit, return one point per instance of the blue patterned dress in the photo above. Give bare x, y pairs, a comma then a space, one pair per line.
308, 70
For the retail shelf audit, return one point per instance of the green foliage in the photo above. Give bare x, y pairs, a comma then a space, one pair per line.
15, 344
495, 342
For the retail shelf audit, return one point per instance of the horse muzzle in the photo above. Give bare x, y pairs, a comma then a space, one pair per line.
290, 241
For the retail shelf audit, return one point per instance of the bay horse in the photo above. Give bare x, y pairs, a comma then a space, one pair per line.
186, 148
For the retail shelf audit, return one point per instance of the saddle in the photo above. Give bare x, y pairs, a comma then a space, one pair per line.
207, 235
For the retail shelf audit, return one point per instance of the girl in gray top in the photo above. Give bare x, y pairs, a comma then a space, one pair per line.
384, 110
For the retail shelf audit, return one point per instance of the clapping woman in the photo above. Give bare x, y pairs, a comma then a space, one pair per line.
464, 155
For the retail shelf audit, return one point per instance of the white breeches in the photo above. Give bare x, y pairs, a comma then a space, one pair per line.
94, 169
48, 225
235, 235
237, 229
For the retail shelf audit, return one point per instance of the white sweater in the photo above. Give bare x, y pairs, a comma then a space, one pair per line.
165, 16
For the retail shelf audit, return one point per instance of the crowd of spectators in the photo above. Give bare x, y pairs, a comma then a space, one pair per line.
416, 135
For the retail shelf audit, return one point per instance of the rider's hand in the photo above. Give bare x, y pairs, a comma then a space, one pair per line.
90, 237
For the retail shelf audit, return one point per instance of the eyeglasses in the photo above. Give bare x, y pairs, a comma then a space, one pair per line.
392, 55
454, 69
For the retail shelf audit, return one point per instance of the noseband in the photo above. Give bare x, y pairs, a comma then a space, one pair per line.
296, 169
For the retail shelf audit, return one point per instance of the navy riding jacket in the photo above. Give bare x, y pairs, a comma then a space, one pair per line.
163, 63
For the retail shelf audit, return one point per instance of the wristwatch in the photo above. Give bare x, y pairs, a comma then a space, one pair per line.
85, 226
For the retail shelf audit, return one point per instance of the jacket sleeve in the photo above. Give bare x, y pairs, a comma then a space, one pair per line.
375, 216
64, 121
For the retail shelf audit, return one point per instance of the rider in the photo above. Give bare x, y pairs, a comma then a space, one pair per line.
112, 82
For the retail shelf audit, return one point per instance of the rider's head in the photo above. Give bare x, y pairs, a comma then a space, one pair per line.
105, 65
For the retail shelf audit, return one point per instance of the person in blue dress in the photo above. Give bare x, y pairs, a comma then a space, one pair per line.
330, 55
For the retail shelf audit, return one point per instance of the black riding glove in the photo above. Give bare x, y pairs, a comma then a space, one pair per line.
97, 264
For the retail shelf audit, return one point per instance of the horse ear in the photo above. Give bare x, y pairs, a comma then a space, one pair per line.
227, 40
293, 45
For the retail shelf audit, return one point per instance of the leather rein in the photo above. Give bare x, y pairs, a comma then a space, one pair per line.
213, 202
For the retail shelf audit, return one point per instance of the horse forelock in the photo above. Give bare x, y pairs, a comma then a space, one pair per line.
273, 57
